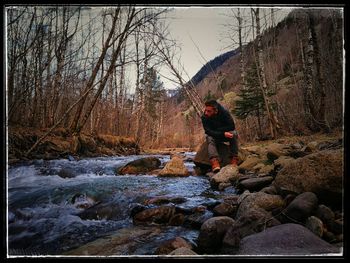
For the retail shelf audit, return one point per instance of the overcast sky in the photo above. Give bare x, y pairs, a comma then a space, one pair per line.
205, 26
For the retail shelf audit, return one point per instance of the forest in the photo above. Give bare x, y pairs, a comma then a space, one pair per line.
105, 159
67, 69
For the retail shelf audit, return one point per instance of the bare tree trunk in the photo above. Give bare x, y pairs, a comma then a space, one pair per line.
239, 18
262, 79
78, 113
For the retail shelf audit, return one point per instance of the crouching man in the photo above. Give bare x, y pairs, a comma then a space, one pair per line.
219, 127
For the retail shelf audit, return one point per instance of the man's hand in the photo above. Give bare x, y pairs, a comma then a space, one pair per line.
228, 135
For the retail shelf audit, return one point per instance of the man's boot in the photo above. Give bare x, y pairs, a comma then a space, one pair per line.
234, 161
215, 165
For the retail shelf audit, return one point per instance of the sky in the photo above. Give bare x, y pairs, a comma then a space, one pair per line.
205, 28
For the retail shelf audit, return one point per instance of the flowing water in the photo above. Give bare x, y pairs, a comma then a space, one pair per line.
44, 208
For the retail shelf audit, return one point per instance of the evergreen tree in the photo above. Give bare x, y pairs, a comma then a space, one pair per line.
251, 102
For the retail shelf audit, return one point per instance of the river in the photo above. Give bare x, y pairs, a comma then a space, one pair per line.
43, 208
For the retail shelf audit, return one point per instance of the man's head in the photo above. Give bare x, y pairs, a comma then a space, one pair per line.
211, 108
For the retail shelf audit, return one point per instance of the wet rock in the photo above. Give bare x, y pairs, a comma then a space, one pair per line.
82, 201
212, 232
99, 211
160, 200
177, 220
252, 221
222, 186
303, 206
140, 166
175, 167
67, 173
260, 200
156, 215
196, 220
320, 173
123, 241
285, 239
172, 244
255, 184
227, 174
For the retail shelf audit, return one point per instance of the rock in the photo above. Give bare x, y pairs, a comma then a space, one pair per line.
225, 175
172, 244
196, 220
255, 184
212, 232
99, 211
250, 162
182, 251
312, 147
260, 200
283, 161
140, 166
67, 173
266, 169
120, 241
177, 220
252, 221
175, 167
160, 200
320, 173
315, 225
222, 186
303, 206
156, 215
285, 239
269, 190
326, 215
225, 209
275, 150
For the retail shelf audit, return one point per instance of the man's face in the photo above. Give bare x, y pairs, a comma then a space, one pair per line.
210, 111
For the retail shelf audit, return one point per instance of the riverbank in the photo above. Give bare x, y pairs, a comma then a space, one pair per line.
61, 144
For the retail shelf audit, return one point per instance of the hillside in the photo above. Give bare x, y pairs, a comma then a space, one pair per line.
284, 76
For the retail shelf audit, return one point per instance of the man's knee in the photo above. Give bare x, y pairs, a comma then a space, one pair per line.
209, 139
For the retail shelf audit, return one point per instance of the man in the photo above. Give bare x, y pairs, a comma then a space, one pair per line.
219, 127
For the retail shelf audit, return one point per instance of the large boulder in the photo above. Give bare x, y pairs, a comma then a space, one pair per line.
303, 206
227, 174
259, 200
285, 239
320, 173
212, 232
140, 166
252, 221
175, 167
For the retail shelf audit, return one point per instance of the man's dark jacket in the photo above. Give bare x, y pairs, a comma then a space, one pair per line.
218, 124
